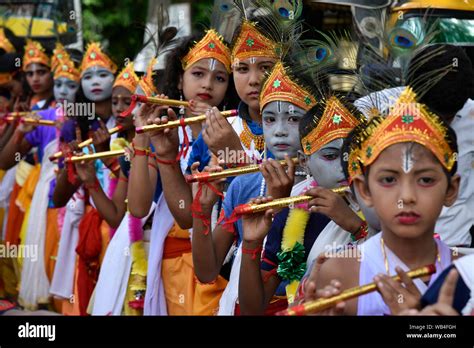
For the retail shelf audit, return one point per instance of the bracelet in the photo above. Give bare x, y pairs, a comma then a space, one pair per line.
140, 151
253, 252
361, 233
95, 186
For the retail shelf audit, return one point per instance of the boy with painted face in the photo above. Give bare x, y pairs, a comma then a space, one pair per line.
283, 101
321, 130
408, 161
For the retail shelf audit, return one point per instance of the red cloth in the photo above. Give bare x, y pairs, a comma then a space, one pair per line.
88, 249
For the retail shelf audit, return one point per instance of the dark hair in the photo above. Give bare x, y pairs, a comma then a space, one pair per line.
449, 95
174, 72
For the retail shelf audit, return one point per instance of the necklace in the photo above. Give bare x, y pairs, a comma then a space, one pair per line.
382, 246
247, 136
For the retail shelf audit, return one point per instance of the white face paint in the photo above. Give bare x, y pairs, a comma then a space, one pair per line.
97, 83
212, 64
325, 165
370, 215
65, 90
407, 158
280, 122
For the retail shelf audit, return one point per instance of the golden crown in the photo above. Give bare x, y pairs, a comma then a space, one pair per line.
62, 65
336, 122
280, 86
95, 57
252, 43
5, 44
211, 46
34, 53
409, 121
127, 78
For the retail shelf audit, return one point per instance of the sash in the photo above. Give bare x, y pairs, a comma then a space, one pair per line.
114, 273
465, 267
34, 281
62, 284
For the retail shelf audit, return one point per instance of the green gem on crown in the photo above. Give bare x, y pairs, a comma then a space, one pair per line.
250, 42
308, 146
407, 119
307, 100
369, 152
60, 56
212, 45
31, 52
126, 75
337, 119
93, 55
277, 83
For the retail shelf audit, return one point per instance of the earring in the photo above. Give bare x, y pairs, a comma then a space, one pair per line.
181, 108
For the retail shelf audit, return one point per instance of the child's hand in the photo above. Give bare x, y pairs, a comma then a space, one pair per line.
207, 197
334, 207
257, 225
166, 142
444, 306
333, 289
309, 289
101, 138
86, 170
398, 296
279, 182
218, 134
198, 108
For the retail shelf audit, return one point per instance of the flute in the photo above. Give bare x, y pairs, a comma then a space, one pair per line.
33, 121
20, 113
84, 144
244, 209
205, 176
152, 100
94, 156
181, 122
325, 303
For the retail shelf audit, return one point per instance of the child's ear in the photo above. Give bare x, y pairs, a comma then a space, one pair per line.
303, 160
180, 83
453, 190
362, 188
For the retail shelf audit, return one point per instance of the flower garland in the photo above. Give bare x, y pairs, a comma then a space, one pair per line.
292, 265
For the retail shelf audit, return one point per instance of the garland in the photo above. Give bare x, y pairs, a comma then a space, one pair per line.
292, 265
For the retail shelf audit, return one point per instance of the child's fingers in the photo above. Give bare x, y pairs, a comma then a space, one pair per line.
194, 167
78, 134
446, 294
387, 292
407, 281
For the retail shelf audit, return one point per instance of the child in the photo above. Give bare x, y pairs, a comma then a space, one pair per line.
408, 161
283, 100
321, 130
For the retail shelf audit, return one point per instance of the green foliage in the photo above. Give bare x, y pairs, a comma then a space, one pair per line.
119, 25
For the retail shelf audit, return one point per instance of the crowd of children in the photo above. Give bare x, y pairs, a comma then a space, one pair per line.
329, 190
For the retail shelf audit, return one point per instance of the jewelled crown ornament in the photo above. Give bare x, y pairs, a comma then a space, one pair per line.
210, 46
280, 86
251, 43
34, 53
94, 56
127, 78
409, 121
62, 65
337, 121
